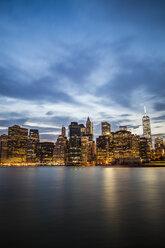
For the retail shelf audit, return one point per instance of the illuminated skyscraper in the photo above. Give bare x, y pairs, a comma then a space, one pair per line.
17, 144
147, 129
74, 144
159, 142
89, 129
85, 146
45, 152
3, 148
145, 151
159, 147
60, 150
122, 143
63, 131
82, 129
106, 128
33, 140
103, 150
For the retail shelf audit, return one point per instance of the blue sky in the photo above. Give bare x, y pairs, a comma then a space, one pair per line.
61, 61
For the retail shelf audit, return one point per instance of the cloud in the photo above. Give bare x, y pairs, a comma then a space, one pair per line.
64, 62
158, 106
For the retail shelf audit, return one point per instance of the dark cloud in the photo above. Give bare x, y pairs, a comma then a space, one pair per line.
134, 75
44, 89
133, 126
50, 113
11, 122
77, 66
76, 40
159, 118
158, 106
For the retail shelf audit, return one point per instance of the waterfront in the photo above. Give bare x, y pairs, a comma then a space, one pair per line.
82, 206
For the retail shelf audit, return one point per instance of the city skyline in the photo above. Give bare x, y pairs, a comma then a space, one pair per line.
78, 147
96, 126
66, 60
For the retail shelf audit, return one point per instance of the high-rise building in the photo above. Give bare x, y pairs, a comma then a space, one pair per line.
33, 140
122, 145
82, 130
3, 148
17, 144
103, 150
74, 144
147, 129
145, 151
89, 129
45, 152
106, 128
74, 129
159, 147
125, 146
60, 150
63, 131
135, 146
85, 147
159, 142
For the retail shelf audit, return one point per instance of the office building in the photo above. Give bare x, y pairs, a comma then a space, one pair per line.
3, 148
60, 150
89, 129
74, 146
17, 144
159, 147
103, 150
145, 151
45, 151
63, 131
106, 128
147, 129
33, 140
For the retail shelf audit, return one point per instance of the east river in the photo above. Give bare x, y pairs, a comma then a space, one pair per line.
82, 207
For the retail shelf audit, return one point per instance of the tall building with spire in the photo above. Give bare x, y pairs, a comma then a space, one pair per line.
147, 128
63, 131
89, 129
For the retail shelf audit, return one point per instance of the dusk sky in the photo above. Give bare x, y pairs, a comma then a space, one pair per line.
65, 60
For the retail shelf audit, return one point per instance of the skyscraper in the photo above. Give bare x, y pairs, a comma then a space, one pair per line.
74, 144
33, 140
60, 150
145, 151
3, 148
17, 144
103, 150
45, 152
89, 129
147, 129
106, 128
159, 142
63, 131
159, 147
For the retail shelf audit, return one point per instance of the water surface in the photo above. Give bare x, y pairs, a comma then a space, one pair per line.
82, 207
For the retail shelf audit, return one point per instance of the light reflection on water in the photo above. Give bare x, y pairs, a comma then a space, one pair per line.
89, 206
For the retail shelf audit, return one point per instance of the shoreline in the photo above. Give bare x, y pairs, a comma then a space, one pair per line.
157, 164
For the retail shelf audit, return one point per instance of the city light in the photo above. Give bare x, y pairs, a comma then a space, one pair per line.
19, 148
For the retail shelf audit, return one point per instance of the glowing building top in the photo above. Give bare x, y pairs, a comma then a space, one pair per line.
147, 128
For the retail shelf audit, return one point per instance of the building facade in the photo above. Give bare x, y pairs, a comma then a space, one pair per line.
17, 144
